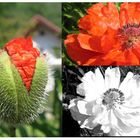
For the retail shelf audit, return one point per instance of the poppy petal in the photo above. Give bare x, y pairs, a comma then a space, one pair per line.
129, 13
23, 56
89, 42
93, 25
130, 58
108, 13
75, 51
99, 18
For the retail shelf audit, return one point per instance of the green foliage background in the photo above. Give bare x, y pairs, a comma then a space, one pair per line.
14, 20
71, 13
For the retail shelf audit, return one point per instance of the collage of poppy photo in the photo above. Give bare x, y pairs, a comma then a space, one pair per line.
100, 69
69, 69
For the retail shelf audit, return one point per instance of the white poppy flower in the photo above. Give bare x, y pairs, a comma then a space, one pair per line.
113, 105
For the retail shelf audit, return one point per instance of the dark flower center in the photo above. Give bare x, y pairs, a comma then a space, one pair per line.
129, 35
112, 97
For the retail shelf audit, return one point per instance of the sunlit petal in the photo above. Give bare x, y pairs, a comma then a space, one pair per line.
90, 85
112, 78
125, 86
100, 82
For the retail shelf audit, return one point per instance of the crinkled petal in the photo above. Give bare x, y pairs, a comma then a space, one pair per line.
80, 118
89, 42
89, 123
99, 18
86, 113
127, 121
131, 58
105, 121
90, 86
85, 107
111, 14
103, 118
100, 81
129, 13
112, 78
88, 82
88, 77
112, 56
118, 127
108, 40
92, 121
81, 106
96, 9
93, 25
81, 90
134, 89
128, 77
23, 55
74, 50
96, 61
125, 85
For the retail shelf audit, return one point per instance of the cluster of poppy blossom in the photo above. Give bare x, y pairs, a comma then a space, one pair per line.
107, 36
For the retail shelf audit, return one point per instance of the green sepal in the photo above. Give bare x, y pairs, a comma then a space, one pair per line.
17, 105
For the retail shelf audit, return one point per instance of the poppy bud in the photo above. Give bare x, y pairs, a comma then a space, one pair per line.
23, 78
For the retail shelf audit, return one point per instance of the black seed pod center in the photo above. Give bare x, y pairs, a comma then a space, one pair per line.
129, 35
112, 97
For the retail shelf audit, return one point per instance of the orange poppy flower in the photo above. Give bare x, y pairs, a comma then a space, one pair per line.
107, 36
23, 56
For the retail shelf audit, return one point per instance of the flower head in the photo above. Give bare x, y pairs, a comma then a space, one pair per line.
107, 36
23, 78
23, 56
108, 102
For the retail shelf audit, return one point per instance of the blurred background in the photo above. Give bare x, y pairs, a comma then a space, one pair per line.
42, 21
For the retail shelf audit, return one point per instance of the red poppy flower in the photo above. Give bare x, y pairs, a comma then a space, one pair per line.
107, 36
24, 56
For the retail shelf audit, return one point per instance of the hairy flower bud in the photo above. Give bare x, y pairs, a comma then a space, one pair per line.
23, 78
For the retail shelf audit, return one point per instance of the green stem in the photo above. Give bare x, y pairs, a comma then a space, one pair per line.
12, 131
